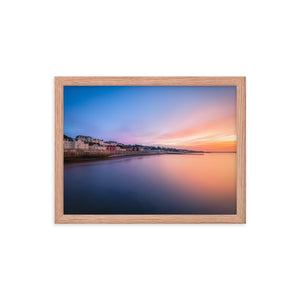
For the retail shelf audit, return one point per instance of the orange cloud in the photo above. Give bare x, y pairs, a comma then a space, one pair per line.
217, 135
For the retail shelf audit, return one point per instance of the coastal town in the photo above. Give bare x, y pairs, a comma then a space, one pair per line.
86, 147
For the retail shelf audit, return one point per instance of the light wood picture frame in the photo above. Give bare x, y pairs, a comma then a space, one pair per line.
239, 217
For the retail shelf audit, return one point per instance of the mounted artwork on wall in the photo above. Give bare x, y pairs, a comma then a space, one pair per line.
150, 150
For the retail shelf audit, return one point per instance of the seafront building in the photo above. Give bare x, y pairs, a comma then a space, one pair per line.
89, 139
75, 145
87, 143
97, 147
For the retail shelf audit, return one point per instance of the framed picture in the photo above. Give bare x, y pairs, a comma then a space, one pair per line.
150, 150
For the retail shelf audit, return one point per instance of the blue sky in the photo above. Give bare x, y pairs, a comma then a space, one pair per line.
143, 114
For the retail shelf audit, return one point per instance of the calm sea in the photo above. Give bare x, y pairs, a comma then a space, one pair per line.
157, 184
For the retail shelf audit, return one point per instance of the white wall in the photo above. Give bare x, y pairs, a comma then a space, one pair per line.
43, 39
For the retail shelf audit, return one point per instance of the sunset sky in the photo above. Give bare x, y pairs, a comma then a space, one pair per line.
186, 117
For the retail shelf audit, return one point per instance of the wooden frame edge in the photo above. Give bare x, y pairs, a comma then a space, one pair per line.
148, 81
239, 218
149, 219
59, 184
241, 149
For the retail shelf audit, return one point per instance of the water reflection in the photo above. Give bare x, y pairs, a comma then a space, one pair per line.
159, 184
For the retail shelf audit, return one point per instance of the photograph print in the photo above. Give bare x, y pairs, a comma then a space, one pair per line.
149, 150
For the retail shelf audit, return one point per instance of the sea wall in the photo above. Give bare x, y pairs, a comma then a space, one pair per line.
81, 155
75, 154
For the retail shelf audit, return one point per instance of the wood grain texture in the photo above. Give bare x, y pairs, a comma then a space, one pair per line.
241, 150
59, 151
167, 81
239, 82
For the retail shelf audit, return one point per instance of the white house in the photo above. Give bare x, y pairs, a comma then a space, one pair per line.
88, 139
98, 141
81, 145
76, 145
97, 147
110, 144
68, 144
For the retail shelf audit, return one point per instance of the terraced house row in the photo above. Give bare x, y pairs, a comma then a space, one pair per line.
88, 143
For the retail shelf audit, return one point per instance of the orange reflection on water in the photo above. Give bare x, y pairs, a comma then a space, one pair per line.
212, 174
154, 184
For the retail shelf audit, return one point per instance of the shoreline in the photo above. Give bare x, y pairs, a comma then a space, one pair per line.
106, 156
82, 156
